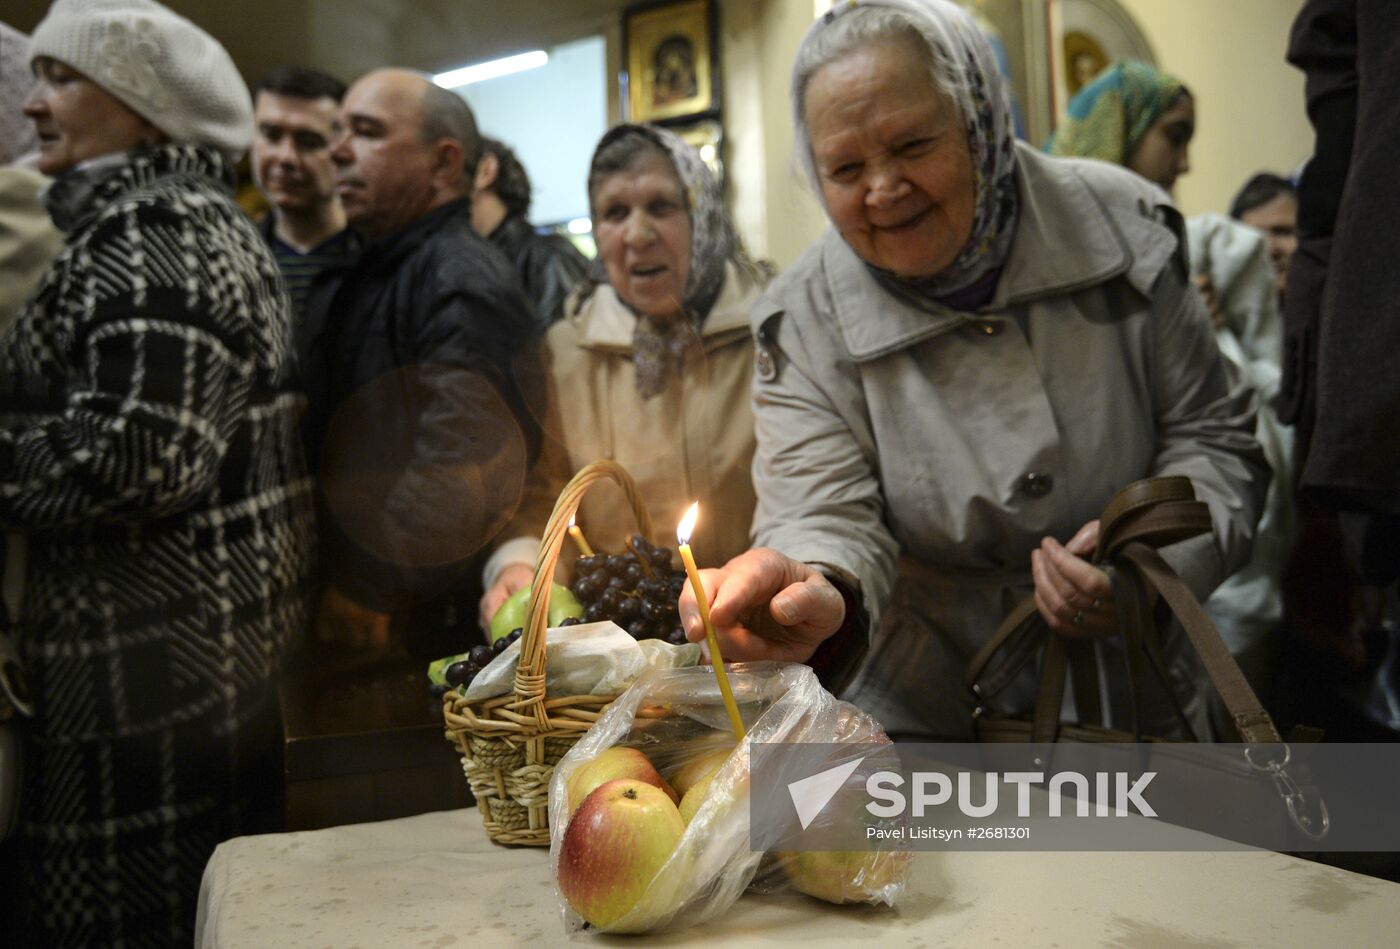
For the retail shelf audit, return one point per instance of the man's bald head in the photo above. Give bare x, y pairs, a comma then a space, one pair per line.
410, 146
447, 115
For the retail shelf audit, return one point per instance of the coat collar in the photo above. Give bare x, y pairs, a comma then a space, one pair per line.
1067, 238
605, 323
78, 196
387, 251
511, 234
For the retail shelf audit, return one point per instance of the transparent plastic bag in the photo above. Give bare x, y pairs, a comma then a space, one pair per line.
676, 718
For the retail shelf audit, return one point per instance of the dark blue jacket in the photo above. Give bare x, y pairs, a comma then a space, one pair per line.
417, 428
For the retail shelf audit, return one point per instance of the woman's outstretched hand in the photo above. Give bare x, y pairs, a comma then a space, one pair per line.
765, 605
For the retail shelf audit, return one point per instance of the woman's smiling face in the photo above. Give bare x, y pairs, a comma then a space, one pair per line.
891, 158
642, 228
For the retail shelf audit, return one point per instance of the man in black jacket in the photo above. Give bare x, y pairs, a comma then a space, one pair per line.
417, 428
548, 265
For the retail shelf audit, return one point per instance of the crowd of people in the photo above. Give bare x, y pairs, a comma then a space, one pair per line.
347, 423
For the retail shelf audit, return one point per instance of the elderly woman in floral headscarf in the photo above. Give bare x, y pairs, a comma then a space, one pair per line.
149, 453
1134, 116
955, 379
651, 365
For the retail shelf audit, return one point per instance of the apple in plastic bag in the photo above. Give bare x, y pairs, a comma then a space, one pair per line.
515, 610
706, 788
697, 793
610, 765
851, 876
845, 876
621, 835
694, 770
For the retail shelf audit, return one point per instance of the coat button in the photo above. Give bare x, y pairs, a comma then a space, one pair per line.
1037, 485
763, 364
989, 328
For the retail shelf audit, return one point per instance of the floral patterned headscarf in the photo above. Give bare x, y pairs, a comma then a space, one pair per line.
967, 70
1108, 117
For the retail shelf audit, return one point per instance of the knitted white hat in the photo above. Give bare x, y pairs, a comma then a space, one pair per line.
166, 69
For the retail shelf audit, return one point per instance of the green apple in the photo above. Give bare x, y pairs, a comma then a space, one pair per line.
514, 611
696, 794
621, 836
438, 667
613, 764
845, 876
851, 876
699, 767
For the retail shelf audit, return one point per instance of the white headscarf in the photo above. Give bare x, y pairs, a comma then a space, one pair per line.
967, 70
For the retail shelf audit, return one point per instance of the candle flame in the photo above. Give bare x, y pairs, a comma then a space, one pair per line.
687, 524
571, 521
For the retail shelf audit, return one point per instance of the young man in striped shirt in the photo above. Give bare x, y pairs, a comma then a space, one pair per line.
295, 124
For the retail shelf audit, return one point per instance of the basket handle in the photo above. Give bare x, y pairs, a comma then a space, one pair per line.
529, 674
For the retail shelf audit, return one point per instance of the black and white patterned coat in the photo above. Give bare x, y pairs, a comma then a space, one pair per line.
149, 454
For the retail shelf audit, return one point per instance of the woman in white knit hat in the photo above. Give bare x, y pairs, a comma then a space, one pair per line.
149, 453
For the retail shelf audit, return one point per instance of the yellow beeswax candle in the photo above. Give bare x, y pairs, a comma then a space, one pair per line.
683, 533
577, 535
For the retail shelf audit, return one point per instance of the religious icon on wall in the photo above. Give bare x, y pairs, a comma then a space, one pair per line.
670, 60
1084, 58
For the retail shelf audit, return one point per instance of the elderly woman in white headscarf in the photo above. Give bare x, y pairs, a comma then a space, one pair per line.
149, 453
986, 345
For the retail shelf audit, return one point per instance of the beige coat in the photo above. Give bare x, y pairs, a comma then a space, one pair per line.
927, 452
28, 240
692, 442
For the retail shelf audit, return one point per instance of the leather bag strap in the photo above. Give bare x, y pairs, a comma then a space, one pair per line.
1144, 516
1020, 635
1246, 711
1135, 513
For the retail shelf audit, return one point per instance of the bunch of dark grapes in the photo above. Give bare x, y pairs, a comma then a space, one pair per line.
464, 670
637, 590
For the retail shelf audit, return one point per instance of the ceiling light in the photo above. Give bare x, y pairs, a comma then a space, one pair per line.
491, 69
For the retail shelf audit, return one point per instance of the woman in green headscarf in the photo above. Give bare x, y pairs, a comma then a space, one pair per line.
1135, 116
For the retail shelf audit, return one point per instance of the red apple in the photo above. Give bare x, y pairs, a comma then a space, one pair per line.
621, 835
614, 763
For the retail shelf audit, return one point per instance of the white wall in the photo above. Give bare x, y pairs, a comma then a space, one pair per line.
552, 117
774, 210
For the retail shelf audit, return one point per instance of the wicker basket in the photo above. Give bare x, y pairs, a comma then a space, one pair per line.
511, 743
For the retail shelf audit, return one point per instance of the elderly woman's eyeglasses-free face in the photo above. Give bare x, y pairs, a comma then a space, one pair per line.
77, 120
892, 160
643, 232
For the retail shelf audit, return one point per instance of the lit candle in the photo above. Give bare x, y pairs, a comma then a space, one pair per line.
577, 535
683, 532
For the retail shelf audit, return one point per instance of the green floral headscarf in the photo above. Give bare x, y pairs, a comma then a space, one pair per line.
1109, 116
